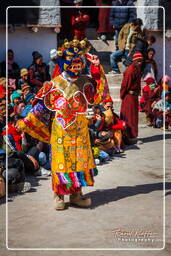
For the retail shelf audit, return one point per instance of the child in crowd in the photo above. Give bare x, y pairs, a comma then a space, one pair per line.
114, 125
28, 100
150, 66
95, 125
150, 95
24, 77
162, 111
25, 89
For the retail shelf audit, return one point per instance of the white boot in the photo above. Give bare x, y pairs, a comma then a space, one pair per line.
59, 203
79, 200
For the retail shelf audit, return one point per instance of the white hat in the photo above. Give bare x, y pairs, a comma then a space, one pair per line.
53, 53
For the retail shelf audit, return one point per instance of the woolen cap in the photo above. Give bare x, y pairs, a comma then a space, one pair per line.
137, 56
24, 86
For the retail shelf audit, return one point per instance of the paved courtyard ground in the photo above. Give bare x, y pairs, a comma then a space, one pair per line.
126, 212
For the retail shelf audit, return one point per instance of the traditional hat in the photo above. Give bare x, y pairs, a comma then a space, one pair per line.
137, 56
24, 86
23, 72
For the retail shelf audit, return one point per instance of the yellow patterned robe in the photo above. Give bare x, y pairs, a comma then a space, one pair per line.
72, 160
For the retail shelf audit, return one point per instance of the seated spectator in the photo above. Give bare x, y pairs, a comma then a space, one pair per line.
113, 124
19, 148
25, 89
23, 77
162, 111
15, 98
126, 41
150, 66
151, 94
38, 72
28, 100
141, 46
13, 67
96, 122
16, 174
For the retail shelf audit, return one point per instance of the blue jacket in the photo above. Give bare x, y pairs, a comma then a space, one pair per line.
120, 16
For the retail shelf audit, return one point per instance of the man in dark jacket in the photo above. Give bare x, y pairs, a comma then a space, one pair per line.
120, 16
141, 45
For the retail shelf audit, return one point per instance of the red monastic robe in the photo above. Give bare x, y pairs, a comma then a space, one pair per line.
129, 107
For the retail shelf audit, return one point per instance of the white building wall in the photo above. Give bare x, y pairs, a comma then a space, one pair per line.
150, 20
23, 42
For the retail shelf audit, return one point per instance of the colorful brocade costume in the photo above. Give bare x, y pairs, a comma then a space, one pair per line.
59, 118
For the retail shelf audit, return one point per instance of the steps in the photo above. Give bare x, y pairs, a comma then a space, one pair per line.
104, 50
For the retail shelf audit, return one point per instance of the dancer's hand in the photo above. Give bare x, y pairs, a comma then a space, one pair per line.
94, 59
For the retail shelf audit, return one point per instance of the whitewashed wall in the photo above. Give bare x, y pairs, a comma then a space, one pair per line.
23, 42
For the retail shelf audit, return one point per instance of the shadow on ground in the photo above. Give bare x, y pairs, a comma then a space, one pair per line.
156, 138
104, 196
34, 181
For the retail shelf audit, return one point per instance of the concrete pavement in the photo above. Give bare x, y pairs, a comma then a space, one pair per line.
127, 208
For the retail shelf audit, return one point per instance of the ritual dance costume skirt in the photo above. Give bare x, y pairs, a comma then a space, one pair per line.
72, 161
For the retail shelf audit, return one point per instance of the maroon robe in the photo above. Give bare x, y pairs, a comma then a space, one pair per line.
149, 97
129, 107
103, 18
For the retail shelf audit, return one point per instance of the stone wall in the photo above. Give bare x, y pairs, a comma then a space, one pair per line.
149, 14
49, 16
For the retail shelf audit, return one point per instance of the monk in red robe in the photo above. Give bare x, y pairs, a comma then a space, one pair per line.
129, 92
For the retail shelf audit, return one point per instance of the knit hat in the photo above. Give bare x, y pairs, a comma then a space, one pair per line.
15, 95
107, 100
24, 86
36, 55
53, 53
29, 96
150, 80
23, 72
137, 56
